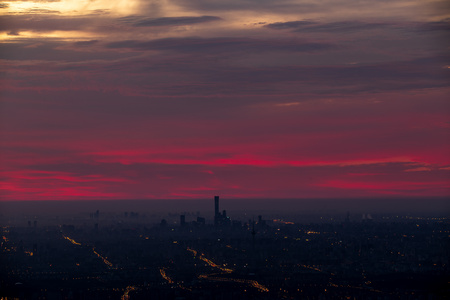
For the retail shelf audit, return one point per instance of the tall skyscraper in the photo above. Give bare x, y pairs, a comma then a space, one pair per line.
216, 205
220, 219
216, 211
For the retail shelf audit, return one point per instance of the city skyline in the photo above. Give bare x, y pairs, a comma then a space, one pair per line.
104, 100
137, 255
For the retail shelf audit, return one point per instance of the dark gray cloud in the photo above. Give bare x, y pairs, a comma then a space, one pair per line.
290, 25
443, 25
253, 5
4, 5
86, 43
52, 50
408, 75
222, 44
99, 12
354, 26
41, 11
13, 32
308, 26
169, 21
43, 22
194, 74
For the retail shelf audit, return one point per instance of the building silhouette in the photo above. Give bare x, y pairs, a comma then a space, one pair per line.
220, 219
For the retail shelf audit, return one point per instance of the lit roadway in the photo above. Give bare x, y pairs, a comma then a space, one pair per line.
216, 276
104, 259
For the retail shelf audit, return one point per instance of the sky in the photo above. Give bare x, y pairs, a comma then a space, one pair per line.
186, 99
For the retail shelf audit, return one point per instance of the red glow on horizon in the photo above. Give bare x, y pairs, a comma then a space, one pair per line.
263, 112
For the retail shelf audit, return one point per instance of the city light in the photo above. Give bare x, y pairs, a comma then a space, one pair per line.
105, 261
214, 276
162, 271
128, 289
71, 240
348, 259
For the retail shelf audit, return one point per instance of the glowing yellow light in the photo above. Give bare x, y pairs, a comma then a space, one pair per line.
74, 7
71, 240
164, 275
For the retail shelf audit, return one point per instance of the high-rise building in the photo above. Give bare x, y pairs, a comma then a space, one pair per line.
220, 219
216, 205
216, 211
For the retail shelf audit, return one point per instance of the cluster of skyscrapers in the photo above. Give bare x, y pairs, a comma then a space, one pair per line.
220, 219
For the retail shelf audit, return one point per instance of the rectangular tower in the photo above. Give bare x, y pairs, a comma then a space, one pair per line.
216, 211
216, 206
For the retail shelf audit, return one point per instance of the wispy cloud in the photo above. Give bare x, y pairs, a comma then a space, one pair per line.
221, 45
169, 21
309, 26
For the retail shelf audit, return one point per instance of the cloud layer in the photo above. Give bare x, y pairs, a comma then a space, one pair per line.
262, 99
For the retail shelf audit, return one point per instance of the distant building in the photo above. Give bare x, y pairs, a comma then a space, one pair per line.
201, 221
182, 220
220, 219
347, 218
261, 222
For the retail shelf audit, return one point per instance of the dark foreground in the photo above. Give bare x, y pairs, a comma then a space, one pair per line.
126, 257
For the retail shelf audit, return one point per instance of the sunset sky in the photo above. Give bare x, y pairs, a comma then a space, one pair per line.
144, 99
